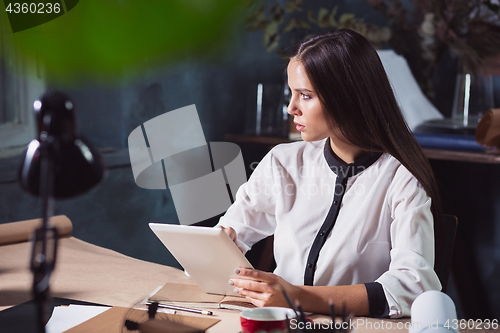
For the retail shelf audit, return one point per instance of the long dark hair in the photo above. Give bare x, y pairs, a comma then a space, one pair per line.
352, 85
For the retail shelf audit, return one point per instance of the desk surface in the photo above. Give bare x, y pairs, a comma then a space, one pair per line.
91, 273
437, 154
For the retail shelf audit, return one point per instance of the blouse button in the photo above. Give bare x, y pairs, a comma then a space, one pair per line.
322, 234
335, 202
309, 265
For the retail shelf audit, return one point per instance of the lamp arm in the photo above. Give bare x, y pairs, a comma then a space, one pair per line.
43, 256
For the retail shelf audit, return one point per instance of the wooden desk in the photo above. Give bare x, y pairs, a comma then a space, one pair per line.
452, 171
90, 273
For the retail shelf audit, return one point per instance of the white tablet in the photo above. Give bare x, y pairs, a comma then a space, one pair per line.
207, 254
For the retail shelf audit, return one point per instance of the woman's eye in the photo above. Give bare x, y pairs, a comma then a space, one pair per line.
305, 96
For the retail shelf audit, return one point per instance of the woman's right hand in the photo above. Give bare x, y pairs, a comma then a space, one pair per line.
232, 234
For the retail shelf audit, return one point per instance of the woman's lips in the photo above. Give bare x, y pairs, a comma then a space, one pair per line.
300, 127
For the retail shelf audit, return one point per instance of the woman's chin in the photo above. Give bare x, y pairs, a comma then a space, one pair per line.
305, 137
310, 138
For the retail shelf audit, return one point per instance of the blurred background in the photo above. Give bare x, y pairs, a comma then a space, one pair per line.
123, 63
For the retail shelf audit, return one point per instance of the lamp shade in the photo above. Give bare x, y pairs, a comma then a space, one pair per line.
77, 165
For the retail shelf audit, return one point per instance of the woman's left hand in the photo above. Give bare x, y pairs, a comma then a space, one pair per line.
262, 288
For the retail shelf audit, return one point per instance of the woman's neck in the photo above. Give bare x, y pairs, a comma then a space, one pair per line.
346, 152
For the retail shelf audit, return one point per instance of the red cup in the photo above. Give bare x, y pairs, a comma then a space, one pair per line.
268, 319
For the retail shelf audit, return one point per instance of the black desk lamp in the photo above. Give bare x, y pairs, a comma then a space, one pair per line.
60, 163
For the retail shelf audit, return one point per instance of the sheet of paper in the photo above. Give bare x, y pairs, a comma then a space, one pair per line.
65, 317
190, 293
414, 104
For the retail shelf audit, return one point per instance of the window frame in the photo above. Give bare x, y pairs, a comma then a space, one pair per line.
28, 85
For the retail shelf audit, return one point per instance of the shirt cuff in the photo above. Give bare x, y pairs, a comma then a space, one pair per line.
377, 303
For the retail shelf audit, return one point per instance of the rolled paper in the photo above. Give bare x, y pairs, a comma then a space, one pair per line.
488, 129
21, 231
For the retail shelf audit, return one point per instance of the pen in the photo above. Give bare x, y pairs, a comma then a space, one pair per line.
332, 314
181, 308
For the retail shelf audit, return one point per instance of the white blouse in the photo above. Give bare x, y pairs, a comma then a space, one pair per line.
383, 232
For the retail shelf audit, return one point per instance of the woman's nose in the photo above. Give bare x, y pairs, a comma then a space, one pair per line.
293, 109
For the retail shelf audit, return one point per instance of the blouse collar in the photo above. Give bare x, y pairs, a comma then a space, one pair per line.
344, 170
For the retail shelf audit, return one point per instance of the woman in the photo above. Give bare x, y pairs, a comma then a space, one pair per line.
353, 207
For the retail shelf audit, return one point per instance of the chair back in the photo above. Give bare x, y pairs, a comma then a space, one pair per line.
442, 264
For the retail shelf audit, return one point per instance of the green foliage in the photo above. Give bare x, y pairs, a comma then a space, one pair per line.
110, 39
469, 28
276, 20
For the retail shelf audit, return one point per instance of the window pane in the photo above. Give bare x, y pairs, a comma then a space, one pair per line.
7, 93
9, 82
